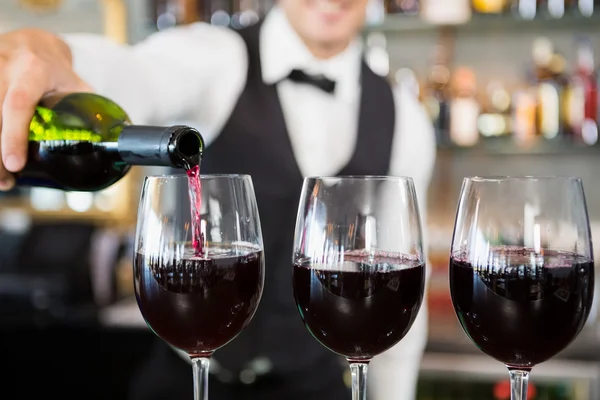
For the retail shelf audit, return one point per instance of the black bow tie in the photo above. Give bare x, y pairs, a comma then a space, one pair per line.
320, 81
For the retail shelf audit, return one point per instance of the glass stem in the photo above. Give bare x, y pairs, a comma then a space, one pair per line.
200, 369
518, 383
359, 380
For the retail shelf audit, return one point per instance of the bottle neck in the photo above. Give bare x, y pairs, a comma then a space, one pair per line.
176, 146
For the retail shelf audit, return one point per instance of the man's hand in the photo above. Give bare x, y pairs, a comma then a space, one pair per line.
33, 63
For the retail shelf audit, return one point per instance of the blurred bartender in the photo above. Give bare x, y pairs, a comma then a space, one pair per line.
288, 97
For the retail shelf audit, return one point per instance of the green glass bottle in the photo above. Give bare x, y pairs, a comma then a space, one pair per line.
86, 142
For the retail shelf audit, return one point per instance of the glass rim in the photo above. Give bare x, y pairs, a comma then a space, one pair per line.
360, 178
202, 176
516, 178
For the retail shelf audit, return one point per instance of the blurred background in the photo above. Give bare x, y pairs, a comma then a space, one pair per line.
511, 88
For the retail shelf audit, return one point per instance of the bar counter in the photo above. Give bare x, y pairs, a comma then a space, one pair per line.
450, 355
96, 355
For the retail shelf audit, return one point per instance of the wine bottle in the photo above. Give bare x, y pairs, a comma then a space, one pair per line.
491, 6
409, 7
554, 8
549, 86
86, 142
464, 108
495, 120
582, 100
436, 95
525, 9
586, 7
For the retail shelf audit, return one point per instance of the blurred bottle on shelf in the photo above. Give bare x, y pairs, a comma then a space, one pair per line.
552, 8
376, 11
169, 13
524, 116
464, 108
192, 10
587, 8
558, 69
245, 13
220, 12
560, 8
446, 12
496, 118
562, 79
495, 7
549, 90
582, 105
165, 14
435, 95
409, 7
525, 9
548, 110
584, 8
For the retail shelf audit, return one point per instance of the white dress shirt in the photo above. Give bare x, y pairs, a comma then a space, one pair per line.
194, 75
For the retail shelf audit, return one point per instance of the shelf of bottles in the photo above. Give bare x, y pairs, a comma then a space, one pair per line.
408, 15
554, 107
553, 110
235, 14
396, 15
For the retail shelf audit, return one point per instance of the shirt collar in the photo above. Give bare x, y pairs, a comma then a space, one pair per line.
282, 50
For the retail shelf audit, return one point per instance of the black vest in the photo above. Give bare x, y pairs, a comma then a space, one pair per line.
255, 141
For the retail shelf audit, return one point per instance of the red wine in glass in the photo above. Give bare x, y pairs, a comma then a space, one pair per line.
195, 189
361, 307
519, 307
199, 304
198, 299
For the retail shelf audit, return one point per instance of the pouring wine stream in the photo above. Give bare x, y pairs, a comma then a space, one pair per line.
189, 152
195, 189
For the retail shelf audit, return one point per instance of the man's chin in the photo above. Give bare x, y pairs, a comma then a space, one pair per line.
328, 35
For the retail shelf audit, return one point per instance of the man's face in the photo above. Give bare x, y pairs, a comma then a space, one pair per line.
327, 23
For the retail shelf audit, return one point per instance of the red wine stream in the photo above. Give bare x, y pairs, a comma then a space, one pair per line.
195, 189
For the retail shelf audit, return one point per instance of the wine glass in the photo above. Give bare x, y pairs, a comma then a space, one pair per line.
358, 265
197, 298
522, 268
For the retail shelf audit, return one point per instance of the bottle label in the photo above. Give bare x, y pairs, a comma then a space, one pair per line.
463, 121
575, 105
448, 12
549, 110
524, 117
